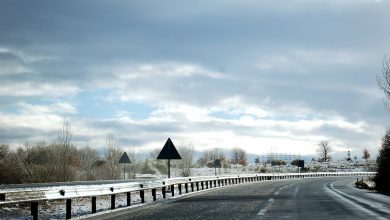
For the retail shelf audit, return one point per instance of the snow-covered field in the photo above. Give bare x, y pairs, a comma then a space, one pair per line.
82, 206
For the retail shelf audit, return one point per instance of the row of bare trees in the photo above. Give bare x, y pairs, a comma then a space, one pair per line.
238, 157
324, 152
62, 161
59, 161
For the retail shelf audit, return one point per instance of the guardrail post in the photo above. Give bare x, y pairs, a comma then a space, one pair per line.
112, 201
197, 186
154, 194
93, 201
173, 190
215, 183
207, 184
68, 209
186, 186
192, 186
34, 210
142, 195
128, 199
179, 186
219, 183
163, 192
202, 184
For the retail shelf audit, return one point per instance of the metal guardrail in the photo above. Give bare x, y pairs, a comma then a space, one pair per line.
34, 195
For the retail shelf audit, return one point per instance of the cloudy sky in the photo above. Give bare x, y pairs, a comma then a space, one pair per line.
260, 75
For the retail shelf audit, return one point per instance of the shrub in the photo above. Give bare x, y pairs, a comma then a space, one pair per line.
382, 178
278, 162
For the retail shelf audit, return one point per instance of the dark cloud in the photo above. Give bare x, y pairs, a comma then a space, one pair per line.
322, 57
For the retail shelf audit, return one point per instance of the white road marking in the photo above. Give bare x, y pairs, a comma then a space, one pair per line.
296, 191
262, 212
350, 201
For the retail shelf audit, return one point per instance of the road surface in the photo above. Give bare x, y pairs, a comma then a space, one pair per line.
317, 198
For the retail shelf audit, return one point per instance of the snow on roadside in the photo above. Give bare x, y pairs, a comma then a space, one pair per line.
55, 209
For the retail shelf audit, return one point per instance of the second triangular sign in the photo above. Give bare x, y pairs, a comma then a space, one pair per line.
169, 151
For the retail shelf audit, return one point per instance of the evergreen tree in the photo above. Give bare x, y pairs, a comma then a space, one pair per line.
382, 178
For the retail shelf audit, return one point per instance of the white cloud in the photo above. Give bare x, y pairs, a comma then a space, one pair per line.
165, 69
24, 56
301, 60
31, 120
58, 107
337, 56
214, 78
42, 89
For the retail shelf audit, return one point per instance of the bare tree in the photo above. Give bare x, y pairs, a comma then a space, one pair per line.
208, 156
203, 159
366, 154
324, 150
10, 168
112, 156
185, 164
87, 158
63, 145
239, 157
384, 80
382, 179
4, 150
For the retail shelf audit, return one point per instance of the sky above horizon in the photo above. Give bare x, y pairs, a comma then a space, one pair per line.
260, 75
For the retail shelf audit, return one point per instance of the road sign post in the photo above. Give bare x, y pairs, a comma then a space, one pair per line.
217, 164
169, 153
124, 159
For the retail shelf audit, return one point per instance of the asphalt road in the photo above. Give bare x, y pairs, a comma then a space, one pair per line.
317, 198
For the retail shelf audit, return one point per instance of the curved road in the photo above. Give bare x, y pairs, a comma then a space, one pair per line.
318, 198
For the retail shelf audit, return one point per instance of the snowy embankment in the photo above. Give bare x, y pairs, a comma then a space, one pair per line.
55, 209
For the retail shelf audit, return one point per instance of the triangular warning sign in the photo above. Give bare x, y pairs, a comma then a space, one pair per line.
169, 151
124, 158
